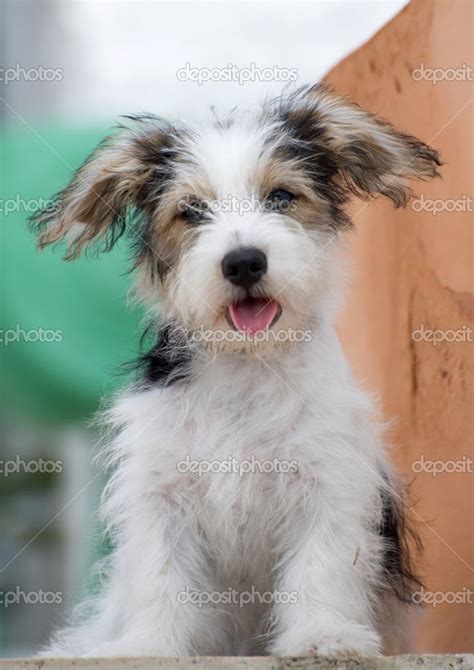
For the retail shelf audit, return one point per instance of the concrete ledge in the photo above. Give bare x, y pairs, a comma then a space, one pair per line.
420, 662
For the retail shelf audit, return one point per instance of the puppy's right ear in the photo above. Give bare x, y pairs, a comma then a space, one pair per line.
354, 150
95, 203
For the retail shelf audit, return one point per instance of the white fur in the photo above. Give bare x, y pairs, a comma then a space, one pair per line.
301, 532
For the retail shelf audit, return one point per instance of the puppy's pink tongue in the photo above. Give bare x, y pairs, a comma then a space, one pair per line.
253, 315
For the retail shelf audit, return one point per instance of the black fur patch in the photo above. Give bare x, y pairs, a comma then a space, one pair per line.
160, 152
400, 538
307, 143
320, 167
166, 362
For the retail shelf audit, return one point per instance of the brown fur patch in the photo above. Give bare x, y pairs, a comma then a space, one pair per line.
116, 177
310, 208
168, 230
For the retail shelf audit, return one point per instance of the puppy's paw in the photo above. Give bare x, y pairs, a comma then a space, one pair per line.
345, 640
351, 640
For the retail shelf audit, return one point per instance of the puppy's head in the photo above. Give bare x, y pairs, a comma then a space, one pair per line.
233, 222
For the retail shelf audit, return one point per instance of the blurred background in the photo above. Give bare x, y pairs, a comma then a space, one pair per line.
67, 73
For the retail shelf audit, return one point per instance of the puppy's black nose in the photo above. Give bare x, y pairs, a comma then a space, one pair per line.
244, 267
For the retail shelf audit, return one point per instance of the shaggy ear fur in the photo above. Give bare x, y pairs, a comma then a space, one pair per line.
362, 154
112, 180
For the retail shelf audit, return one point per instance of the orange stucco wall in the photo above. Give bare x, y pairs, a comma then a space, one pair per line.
412, 268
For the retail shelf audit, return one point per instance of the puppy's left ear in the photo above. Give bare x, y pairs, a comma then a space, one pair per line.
113, 179
365, 155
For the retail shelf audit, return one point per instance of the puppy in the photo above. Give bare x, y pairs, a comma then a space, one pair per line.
251, 505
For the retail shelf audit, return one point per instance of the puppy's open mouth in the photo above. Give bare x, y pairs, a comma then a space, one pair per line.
253, 315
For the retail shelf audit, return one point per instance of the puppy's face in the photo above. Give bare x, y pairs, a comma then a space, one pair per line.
232, 222
241, 231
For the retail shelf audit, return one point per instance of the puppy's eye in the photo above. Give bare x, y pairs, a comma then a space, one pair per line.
194, 211
280, 200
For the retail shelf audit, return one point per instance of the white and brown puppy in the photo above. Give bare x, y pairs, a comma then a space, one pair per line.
251, 505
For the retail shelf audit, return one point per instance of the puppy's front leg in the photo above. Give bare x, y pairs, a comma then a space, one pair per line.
328, 571
158, 570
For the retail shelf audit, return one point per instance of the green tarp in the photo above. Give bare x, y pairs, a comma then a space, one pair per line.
64, 326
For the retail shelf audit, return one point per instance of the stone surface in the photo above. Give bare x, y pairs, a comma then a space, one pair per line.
428, 662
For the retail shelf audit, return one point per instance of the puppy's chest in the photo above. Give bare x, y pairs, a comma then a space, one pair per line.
239, 471
232, 473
